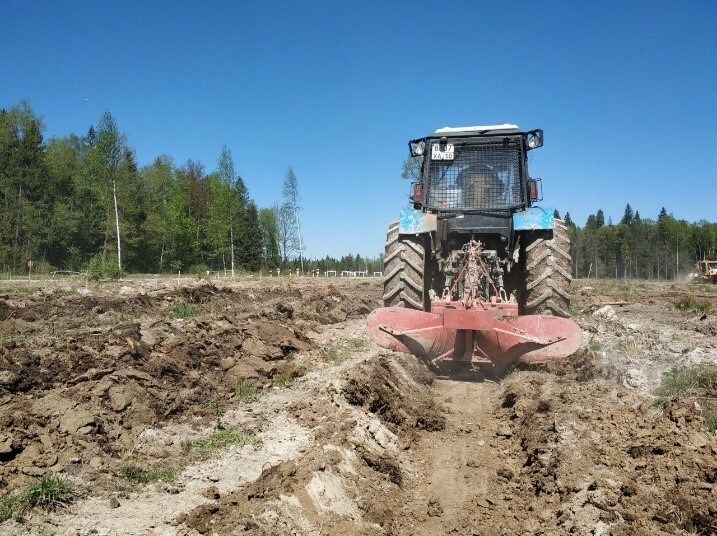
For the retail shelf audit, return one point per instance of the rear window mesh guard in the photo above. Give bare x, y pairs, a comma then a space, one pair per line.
483, 175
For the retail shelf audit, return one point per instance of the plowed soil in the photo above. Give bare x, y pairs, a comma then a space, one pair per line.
343, 437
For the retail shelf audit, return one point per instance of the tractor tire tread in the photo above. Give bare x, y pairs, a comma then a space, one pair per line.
404, 270
548, 268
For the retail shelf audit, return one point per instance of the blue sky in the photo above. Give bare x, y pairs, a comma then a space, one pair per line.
625, 92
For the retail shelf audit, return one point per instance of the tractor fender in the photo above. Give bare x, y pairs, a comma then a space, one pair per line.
416, 222
533, 219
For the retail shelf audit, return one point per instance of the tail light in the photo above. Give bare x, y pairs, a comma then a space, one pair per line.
416, 191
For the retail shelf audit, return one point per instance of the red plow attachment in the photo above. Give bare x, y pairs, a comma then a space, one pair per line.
490, 335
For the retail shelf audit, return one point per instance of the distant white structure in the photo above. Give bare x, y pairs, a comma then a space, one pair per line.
378, 274
357, 273
331, 273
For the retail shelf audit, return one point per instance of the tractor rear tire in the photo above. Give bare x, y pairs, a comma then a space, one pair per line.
404, 271
548, 268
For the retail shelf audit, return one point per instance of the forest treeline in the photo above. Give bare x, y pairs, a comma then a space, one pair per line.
82, 203
636, 247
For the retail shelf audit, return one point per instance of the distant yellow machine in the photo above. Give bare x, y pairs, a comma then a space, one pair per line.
703, 272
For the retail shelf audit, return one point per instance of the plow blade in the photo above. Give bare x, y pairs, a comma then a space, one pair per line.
410, 331
492, 337
564, 332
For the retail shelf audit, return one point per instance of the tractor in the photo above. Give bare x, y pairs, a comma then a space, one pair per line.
476, 274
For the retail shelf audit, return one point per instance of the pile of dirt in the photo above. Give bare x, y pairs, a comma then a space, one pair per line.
598, 455
81, 376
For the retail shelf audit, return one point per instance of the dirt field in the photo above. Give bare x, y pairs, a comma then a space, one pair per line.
261, 407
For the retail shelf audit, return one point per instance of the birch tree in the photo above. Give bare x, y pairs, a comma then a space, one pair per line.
232, 203
110, 148
288, 222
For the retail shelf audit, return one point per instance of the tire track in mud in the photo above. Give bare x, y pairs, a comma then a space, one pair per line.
457, 462
468, 478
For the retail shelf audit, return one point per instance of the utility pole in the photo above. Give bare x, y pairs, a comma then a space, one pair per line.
301, 243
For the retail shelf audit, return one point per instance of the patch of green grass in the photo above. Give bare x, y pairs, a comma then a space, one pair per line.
594, 345
185, 310
49, 493
357, 343
288, 375
331, 354
214, 404
16, 338
698, 382
337, 353
691, 303
710, 422
246, 392
631, 346
136, 473
54, 331
10, 506
128, 316
690, 381
217, 440
659, 402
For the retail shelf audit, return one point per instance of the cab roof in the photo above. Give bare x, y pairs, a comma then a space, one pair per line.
478, 130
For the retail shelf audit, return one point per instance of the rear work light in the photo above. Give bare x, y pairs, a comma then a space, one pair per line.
417, 147
416, 191
535, 190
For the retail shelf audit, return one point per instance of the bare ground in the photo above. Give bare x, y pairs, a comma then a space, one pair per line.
344, 437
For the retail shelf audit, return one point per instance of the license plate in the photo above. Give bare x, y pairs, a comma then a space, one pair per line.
445, 154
